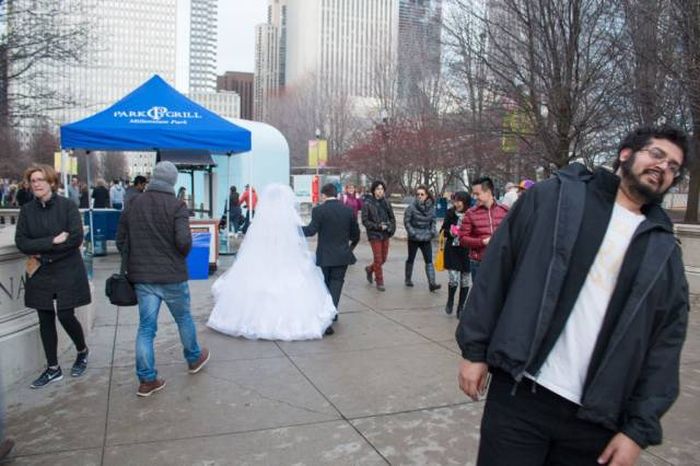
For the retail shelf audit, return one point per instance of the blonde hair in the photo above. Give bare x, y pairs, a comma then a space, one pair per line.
46, 170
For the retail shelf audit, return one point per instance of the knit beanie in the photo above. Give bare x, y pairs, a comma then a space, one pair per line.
164, 178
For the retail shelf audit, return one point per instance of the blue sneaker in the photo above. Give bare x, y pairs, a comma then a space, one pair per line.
80, 365
47, 377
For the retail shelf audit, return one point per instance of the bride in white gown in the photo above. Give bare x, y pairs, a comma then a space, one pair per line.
273, 290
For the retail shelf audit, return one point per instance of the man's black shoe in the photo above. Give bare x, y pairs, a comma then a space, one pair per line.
329, 330
47, 377
368, 272
80, 365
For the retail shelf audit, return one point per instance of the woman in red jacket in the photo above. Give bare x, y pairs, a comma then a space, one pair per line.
480, 222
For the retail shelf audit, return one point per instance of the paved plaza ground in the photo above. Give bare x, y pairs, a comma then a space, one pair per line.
382, 390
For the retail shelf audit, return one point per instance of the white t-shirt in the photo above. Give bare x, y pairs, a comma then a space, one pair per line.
565, 369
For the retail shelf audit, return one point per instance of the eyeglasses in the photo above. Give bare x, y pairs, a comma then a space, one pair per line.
659, 157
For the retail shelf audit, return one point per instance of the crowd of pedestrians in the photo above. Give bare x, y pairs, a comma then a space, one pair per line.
563, 286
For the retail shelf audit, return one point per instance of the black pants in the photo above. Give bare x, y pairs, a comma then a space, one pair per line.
334, 277
425, 248
535, 427
49, 337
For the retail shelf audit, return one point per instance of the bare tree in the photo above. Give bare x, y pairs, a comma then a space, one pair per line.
43, 145
38, 39
12, 158
551, 60
688, 25
298, 112
113, 165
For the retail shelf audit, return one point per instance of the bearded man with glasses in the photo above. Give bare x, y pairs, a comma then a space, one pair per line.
582, 313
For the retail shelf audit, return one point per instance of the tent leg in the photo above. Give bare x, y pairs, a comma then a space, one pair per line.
89, 183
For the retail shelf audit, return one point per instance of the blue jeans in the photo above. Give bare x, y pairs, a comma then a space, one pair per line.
474, 268
177, 297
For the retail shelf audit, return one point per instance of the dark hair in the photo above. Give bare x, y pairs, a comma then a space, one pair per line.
233, 189
427, 192
637, 139
140, 180
461, 196
329, 190
485, 182
375, 185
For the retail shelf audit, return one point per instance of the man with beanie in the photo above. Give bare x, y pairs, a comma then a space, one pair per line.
154, 233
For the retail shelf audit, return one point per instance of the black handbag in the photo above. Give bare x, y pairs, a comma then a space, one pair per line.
118, 288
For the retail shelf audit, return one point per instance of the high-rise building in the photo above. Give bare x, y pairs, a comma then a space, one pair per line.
419, 44
270, 57
133, 40
226, 104
203, 40
242, 84
341, 43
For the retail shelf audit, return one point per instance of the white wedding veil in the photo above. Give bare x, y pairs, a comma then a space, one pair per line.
273, 289
274, 242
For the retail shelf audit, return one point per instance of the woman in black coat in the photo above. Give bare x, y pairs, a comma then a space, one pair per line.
50, 232
456, 256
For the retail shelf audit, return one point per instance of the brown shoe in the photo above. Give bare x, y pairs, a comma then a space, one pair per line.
149, 388
201, 362
6, 447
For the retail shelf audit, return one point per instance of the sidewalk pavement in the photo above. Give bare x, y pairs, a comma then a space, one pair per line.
382, 390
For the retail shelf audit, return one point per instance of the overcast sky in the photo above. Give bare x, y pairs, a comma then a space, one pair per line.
237, 20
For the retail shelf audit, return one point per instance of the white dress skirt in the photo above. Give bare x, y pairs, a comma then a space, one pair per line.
273, 290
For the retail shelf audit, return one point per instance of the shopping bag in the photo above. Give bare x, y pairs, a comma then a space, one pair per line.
440, 256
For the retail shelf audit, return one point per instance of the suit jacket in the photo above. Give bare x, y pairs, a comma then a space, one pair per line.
338, 233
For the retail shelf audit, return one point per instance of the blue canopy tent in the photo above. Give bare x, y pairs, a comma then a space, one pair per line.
154, 116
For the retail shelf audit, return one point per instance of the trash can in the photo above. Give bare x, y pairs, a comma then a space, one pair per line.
100, 248
198, 258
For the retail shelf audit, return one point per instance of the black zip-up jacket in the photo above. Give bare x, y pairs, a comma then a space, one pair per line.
528, 286
157, 231
376, 212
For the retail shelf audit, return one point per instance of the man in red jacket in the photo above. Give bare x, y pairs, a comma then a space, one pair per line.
480, 222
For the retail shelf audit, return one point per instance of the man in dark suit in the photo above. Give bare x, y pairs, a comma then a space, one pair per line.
338, 234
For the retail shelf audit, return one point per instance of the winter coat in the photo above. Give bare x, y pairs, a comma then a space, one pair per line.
419, 220
101, 196
352, 201
62, 274
456, 255
338, 233
376, 212
157, 230
478, 224
633, 376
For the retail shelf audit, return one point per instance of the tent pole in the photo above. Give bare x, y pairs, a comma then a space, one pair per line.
228, 193
211, 194
89, 183
64, 171
250, 189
